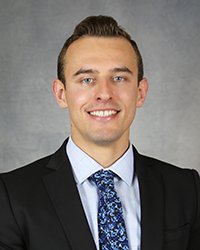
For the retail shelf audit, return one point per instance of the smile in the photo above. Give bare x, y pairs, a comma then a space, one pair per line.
103, 113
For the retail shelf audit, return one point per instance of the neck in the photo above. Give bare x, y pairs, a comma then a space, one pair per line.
105, 154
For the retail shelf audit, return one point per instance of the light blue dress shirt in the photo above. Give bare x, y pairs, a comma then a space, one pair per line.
126, 186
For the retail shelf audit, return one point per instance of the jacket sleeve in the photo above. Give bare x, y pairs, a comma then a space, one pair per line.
10, 235
194, 242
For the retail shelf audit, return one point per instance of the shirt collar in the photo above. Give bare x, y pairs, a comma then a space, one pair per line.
84, 166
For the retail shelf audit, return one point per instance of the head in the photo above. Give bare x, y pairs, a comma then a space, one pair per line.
97, 26
100, 82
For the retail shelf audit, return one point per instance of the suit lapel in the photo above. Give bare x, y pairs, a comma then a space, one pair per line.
64, 196
152, 203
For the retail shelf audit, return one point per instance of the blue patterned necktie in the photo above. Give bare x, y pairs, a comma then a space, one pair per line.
111, 226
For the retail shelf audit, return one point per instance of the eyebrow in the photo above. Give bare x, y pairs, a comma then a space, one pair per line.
85, 71
121, 69
92, 71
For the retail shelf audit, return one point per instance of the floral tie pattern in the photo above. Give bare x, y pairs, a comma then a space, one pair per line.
111, 226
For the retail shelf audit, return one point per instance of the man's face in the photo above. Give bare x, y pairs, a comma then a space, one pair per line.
102, 91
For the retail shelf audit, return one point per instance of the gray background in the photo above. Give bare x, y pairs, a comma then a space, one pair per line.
31, 35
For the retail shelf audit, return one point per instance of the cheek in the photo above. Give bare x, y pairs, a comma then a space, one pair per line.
129, 98
76, 98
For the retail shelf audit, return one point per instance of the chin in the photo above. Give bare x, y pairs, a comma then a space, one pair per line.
102, 139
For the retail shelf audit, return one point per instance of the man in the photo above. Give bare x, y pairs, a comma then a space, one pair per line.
67, 200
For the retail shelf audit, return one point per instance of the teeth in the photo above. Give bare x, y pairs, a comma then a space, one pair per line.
103, 113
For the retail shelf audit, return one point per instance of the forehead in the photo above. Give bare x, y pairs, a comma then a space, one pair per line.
100, 52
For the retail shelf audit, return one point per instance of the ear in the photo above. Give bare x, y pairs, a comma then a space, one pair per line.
142, 92
59, 92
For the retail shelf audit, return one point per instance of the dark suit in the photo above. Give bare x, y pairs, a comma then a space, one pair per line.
40, 208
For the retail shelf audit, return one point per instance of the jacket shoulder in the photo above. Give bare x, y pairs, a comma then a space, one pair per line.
27, 173
36, 168
165, 167
39, 163
171, 175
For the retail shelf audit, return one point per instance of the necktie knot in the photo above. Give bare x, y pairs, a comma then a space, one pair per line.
102, 176
104, 179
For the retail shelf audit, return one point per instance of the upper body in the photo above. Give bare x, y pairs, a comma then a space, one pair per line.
101, 83
41, 207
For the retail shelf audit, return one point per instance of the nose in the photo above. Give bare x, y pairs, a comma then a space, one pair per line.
104, 91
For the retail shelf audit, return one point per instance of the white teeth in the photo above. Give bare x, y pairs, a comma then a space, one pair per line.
103, 113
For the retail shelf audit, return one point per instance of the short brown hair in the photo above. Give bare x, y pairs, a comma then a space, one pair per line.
97, 26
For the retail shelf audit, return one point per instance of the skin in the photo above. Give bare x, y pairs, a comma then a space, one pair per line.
102, 94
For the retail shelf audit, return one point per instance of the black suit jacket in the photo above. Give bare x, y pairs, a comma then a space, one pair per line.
40, 207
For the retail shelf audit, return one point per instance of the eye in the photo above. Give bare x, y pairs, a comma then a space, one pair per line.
87, 80
118, 79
